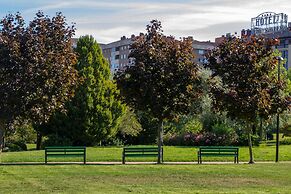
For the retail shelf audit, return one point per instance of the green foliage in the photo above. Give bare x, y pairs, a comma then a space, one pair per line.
21, 133
15, 146
94, 113
222, 129
185, 124
285, 141
193, 125
148, 134
289, 73
55, 140
129, 125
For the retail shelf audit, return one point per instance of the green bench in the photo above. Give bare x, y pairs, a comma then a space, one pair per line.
140, 152
227, 151
65, 151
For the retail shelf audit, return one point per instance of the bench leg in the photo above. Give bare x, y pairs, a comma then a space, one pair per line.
199, 159
45, 158
162, 155
123, 158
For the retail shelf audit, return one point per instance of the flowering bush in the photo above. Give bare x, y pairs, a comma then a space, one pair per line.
200, 139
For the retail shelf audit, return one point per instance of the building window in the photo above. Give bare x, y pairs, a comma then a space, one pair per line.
117, 56
201, 52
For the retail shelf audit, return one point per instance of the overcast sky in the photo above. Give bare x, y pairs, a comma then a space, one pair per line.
108, 20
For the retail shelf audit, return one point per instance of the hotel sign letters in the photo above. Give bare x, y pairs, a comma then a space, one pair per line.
269, 22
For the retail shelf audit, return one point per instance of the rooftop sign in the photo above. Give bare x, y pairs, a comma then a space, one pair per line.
269, 22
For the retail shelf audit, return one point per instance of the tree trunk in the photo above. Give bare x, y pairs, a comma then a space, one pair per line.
261, 130
38, 140
160, 142
2, 129
250, 147
1, 138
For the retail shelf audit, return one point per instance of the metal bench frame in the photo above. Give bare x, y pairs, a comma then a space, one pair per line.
141, 152
64, 151
218, 151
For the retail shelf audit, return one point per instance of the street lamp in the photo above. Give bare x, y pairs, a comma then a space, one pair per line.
278, 117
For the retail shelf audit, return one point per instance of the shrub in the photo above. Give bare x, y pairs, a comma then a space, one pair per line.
285, 141
173, 139
55, 140
200, 139
243, 139
16, 146
225, 135
193, 126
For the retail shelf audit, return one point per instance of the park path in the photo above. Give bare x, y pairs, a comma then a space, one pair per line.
137, 163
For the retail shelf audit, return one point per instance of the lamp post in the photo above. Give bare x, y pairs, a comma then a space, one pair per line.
278, 116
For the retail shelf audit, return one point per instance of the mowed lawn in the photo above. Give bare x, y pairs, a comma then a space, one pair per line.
228, 178
171, 154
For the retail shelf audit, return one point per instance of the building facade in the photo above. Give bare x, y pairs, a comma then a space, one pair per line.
117, 53
200, 49
276, 26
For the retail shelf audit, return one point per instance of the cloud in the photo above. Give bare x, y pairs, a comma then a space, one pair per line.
109, 20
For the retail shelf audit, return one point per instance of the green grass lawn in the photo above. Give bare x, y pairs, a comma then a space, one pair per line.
230, 178
171, 154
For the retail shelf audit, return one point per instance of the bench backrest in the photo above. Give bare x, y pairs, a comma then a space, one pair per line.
140, 150
218, 149
69, 149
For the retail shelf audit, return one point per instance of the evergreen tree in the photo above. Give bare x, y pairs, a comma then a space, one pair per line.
94, 112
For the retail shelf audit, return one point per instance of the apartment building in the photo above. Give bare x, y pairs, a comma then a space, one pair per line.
270, 25
117, 52
200, 49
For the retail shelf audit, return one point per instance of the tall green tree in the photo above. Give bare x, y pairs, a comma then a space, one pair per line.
250, 88
93, 114
37, 68
164, 80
